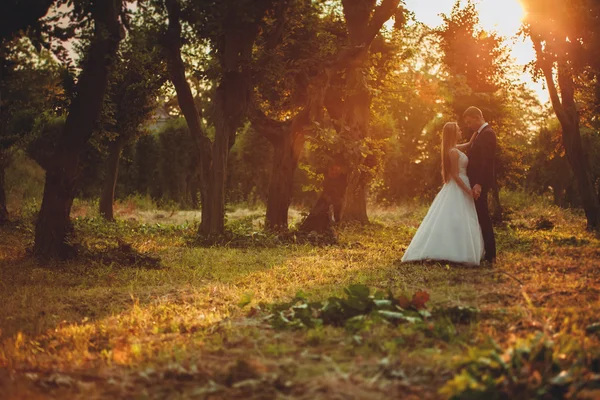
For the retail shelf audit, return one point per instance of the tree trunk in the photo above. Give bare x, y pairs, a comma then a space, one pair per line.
345, 186
107, 197
355, 209
357, 115
288, 148
213, 202
565, 109
569, 119
3, 209
231, 105
287, 139
578, 161
226, 121
362, 25
559, 194
185, 99
330, 205
53, 225
234, 55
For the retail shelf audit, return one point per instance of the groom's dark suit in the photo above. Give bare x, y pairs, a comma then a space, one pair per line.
480, 171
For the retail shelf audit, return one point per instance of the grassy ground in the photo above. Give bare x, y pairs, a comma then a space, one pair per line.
120, 323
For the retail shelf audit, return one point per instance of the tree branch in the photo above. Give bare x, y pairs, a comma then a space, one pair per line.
274, 36
176, 68
268, 127
382, 14
547, 68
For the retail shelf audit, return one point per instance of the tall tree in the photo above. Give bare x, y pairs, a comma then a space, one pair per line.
62, 169
231, 27
566, 37
345, 179
292, 71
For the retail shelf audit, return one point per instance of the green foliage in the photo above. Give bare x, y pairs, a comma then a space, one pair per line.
311, 35
459, 314
162, 165
350, 311
24, 185
135, 84
406, 111
249, 166
32, 87
535, 368
549, 170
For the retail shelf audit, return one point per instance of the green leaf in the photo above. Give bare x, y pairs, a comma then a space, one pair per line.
593, 328
245, 300
301, 296
392, 315
383, 304
359, 290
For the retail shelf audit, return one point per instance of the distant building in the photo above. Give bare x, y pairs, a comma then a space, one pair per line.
160, 118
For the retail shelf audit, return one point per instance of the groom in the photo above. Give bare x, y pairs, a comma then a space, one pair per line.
480, 171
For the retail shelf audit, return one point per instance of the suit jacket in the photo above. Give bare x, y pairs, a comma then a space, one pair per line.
482, 157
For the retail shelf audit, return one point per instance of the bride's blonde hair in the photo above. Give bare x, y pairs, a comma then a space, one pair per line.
449, 139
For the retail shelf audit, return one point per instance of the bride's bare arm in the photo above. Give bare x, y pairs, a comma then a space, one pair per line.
454, 155
465, 146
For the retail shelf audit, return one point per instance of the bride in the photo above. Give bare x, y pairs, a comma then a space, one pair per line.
450, 230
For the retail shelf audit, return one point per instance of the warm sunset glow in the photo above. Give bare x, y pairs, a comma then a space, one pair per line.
502, 16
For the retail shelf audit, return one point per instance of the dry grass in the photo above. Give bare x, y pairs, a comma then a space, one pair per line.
97, 329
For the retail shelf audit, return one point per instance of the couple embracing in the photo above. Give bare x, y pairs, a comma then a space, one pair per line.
458, 227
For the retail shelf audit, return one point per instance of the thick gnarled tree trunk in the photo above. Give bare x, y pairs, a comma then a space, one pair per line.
285, 162
357, 117
53, 224
329, 207
344, 196
356, 199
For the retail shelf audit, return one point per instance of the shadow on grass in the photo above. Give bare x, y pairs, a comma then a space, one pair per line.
109, 276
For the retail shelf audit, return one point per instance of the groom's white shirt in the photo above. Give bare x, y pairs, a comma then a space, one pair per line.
482, 127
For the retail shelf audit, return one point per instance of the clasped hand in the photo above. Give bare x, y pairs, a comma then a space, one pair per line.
476, 191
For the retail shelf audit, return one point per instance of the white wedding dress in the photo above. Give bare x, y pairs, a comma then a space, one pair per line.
450, 230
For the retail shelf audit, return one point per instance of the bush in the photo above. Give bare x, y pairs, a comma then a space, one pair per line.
535, 368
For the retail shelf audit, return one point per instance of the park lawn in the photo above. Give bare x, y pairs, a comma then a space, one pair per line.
146, 312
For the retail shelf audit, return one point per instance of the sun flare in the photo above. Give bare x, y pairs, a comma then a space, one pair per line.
502, 16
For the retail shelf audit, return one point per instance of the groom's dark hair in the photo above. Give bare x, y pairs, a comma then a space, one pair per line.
473, 112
